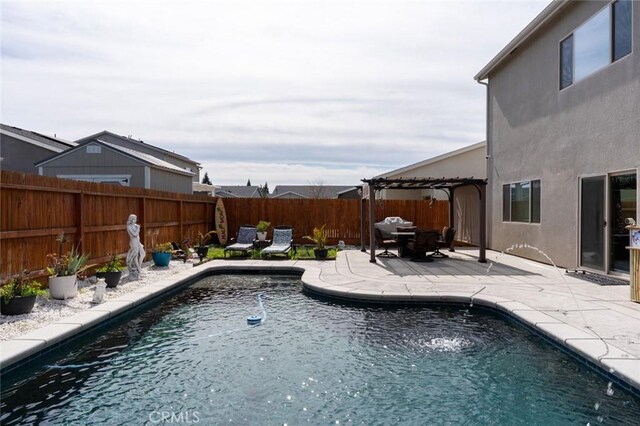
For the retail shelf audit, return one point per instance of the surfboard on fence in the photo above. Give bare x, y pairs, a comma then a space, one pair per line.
220, 216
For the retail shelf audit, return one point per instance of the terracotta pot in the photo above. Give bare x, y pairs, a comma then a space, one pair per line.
63, 287
17, 305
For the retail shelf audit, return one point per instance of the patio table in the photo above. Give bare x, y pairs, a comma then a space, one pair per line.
403, 238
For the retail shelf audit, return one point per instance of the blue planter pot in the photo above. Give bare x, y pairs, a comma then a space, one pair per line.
161, 259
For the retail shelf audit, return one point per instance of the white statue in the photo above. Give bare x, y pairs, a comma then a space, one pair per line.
101, 290
136, 253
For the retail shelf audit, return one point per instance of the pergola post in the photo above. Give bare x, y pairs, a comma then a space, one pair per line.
451, 207
483, 224
372, 219
363, 228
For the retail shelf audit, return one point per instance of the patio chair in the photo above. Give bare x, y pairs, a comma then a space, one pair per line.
446, 240
381, 242
244, 240
282, 241
424, 242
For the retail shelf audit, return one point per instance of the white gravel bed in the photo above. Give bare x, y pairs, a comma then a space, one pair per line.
47, 310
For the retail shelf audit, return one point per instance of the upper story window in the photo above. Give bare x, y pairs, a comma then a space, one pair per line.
603, 39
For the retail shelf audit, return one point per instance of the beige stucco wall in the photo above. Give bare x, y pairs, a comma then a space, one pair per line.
537, 131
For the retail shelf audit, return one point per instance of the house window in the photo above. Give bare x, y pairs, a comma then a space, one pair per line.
521, 202
603, 39
94, 149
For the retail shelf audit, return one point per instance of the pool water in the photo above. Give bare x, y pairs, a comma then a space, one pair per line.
192, 359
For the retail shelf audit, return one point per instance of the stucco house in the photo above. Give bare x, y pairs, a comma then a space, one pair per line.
563, 135
465, 162
99, 161
20, 148
145, 148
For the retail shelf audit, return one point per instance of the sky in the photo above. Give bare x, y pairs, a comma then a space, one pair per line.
283, 92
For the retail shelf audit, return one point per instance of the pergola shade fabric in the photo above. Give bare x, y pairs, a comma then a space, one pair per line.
448, 185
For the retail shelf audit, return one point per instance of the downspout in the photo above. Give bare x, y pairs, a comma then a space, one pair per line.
489, 163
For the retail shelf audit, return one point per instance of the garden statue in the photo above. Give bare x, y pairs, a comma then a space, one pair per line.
136, 249
101, 290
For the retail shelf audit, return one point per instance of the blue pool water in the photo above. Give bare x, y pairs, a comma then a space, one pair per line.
192, 359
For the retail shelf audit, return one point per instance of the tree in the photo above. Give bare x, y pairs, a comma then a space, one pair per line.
263, 190
206, 179
318, 189
248, 182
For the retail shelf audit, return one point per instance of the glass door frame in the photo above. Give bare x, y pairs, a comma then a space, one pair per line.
607, 213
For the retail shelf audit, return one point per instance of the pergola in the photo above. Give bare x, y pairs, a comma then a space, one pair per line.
448, 185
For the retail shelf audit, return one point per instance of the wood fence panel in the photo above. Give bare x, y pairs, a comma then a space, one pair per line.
34, 210
341, 217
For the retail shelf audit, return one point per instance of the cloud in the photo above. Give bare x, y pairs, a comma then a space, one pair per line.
338, 87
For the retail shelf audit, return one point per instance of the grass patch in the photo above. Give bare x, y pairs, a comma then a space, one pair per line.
302, 253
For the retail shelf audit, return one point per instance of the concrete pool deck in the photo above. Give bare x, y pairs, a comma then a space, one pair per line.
598, 323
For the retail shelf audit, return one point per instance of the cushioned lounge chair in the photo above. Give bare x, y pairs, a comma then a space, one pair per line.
244, 240
282, 241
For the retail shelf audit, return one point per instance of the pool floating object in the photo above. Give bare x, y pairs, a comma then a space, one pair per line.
254, 320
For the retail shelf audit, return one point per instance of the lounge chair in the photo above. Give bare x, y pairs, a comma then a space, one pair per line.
445, 241
424, 241
381, 242
282, 241
244, 240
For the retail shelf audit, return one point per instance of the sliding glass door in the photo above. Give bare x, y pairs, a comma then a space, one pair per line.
592, 223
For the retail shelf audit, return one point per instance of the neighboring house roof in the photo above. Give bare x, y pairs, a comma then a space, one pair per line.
547, 14
238, 191
288, 194
432, 160
310, 191
53, 143
125, 138
139, 156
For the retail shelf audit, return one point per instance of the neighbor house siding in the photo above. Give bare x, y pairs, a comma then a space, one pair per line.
141, 147
163, 180
537, 131
21, 156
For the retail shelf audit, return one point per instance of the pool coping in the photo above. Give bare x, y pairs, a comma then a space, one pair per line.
617, 365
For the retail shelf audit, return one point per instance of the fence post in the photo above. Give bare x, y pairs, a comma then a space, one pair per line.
180, 220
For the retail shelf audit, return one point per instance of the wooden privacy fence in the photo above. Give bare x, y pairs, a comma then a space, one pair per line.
342, 217
34, 210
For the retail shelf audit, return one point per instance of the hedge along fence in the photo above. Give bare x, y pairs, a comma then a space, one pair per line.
342, 217
34, 210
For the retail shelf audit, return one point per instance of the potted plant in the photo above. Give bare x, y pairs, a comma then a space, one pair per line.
202, 248
320, 240
261, 230
63, 269
161, 254
18, 295
111, 271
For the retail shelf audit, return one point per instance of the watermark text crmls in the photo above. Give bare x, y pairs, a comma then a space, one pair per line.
179, 417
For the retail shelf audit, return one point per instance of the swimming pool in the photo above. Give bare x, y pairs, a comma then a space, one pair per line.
192, 358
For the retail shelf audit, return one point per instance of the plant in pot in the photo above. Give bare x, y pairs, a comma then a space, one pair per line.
111, 271
161, 254
18, 295
320, 240
63, 269
202, 247
261, 230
